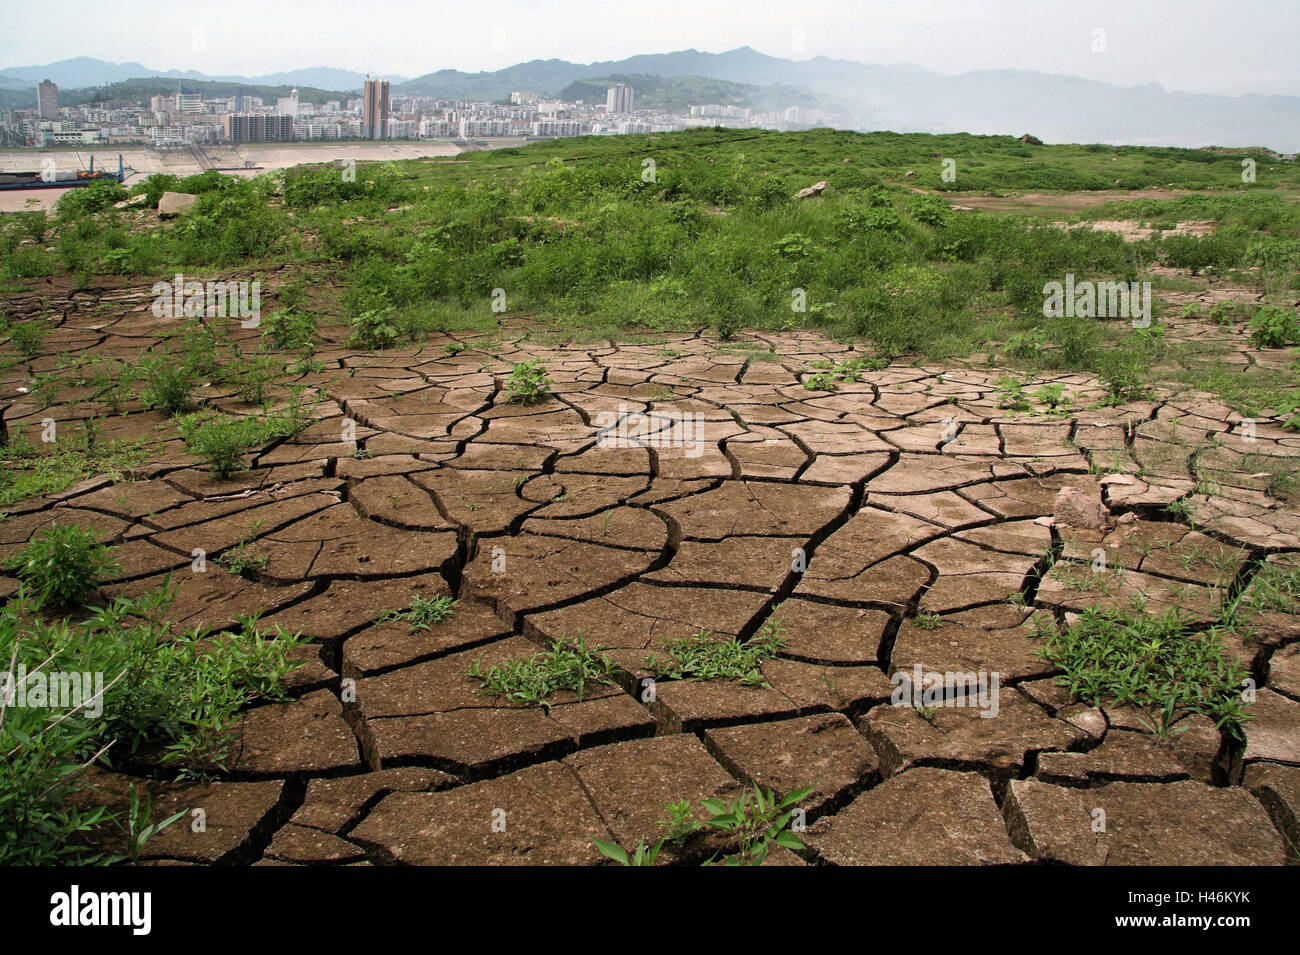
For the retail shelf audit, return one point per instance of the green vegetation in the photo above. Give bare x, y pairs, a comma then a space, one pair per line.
141, 88
163, 700
1156, 663
528, 383
423, 612
831, 373
1274, 326
1273, 589
752, 824
246, 555
62, 565
290, 329
27, 337
27, 469
704, 657
170, 385
532, 681
222, 440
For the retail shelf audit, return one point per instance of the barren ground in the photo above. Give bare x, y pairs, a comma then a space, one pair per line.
912, 495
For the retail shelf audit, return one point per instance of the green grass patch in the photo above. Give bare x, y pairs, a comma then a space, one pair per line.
572, 667
1158, 664
703, 657
423, 612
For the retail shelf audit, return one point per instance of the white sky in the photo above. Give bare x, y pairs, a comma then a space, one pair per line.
1225, 46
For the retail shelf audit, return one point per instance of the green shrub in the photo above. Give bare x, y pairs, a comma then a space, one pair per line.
223, 441
27, 337
154, 186
287, 328
1158, 664
87, 200
704, 657
172, 698
42, 750
1224, 312
169, 384
423, 612
1274, 326
255, 375
62, 565
1123, 374
528, 382
374, 329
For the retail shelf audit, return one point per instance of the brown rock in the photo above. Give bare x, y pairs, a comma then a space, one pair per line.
303, 845
1080, 506
630, 783
1271, 732
333, 804
172, 204
1001, 743
230, 817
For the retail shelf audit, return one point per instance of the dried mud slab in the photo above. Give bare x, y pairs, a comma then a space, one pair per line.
537, 816
904, 521
1180, 823
922, 817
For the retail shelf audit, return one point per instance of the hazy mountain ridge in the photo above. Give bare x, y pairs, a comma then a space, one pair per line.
903, 97
84, 71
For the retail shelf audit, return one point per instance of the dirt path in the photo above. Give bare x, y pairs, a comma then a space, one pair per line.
902, 521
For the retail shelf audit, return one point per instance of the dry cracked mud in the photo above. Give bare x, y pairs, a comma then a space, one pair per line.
904, 520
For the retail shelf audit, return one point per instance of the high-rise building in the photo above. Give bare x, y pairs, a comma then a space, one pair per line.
374, 109
47, 100
258, 128
618, 99
189, 103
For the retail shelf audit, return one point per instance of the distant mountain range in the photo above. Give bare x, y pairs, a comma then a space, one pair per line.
901, 97
85, 71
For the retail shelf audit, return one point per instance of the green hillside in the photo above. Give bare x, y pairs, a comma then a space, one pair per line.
676, 94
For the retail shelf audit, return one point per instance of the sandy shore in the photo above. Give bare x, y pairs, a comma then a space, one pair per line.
149, 161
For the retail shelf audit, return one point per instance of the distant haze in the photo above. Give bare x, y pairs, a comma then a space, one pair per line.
1189, 73
1199, 46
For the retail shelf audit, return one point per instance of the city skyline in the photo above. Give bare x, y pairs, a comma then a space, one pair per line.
189, 121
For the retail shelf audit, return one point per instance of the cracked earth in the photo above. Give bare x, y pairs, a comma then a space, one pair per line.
910, 494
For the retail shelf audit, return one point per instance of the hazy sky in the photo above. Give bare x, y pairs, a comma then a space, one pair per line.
1212, 46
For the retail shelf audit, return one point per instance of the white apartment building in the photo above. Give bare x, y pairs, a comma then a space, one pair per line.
483, 127
557, 127
402, 129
